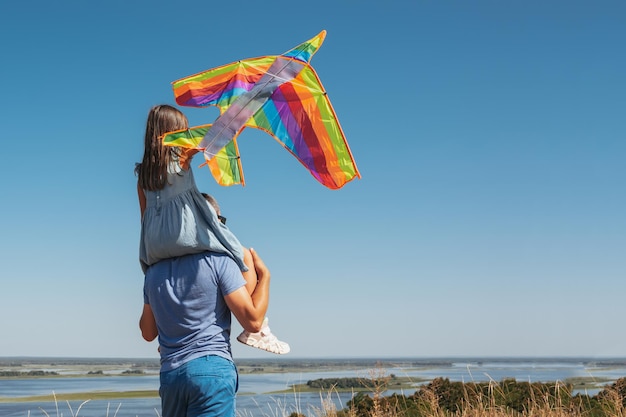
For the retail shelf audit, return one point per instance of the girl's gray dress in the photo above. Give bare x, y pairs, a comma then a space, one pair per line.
179, 221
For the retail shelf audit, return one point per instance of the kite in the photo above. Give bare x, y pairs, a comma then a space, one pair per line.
281, 95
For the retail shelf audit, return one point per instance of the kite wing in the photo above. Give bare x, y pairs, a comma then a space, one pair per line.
281, 95
225, 165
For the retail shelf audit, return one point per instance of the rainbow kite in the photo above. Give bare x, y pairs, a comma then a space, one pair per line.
281, 95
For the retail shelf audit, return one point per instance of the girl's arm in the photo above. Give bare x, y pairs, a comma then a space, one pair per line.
185, 157
142, 200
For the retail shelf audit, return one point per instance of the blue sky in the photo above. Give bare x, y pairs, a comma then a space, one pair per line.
490, 135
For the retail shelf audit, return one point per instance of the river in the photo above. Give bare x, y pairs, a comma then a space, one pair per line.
255, 398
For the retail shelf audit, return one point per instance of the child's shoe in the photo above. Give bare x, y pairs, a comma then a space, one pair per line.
264, 339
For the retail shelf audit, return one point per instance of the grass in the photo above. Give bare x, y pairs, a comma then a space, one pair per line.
429, 405
72, 413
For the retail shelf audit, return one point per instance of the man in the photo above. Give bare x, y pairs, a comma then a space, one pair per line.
188, 303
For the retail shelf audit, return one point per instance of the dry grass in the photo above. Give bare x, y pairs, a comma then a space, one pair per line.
477, 405
58, 413
559, 403
429, 406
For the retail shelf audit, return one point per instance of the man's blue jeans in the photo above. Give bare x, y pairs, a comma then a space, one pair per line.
203, 387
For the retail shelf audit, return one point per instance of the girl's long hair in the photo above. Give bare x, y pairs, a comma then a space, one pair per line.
152, 172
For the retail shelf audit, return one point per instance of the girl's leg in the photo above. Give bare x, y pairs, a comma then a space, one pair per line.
264, 339
250, 274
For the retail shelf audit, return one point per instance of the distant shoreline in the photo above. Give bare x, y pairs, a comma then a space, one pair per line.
54, 367
289, 361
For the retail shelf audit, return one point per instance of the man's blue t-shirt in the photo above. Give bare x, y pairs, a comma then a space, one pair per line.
186, 295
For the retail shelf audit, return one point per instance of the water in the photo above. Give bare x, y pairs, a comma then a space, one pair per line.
45, 386
255, 390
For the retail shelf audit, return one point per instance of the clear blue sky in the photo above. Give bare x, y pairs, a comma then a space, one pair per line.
490, 219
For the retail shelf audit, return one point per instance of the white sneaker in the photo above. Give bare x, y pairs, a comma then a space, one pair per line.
264, 340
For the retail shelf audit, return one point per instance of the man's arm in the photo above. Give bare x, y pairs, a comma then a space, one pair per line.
250, 309
147, 324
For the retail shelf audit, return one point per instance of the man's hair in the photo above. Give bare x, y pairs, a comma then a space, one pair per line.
212, 201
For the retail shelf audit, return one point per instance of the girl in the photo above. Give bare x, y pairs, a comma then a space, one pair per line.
176, 219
